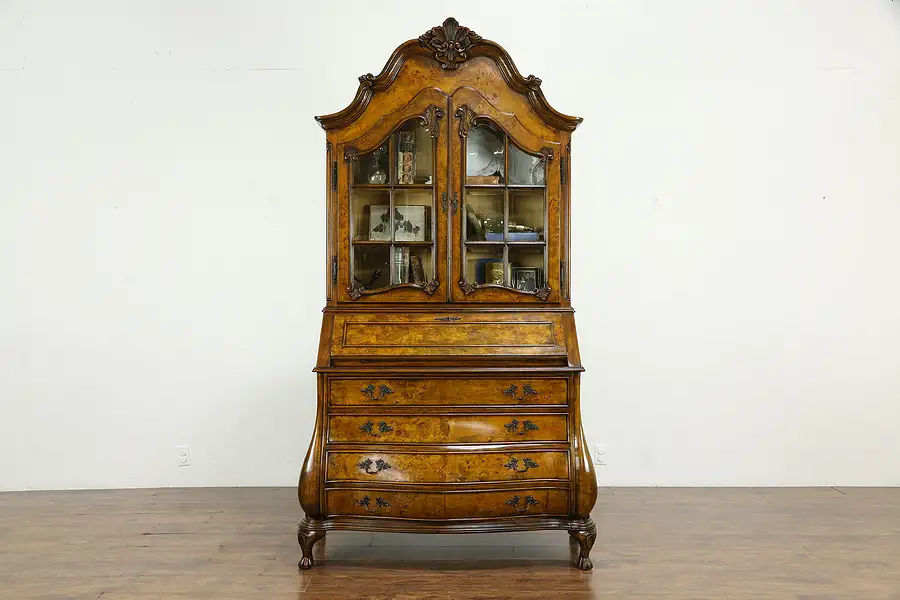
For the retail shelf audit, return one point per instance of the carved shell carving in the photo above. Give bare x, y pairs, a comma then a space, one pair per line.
450, 43
355, 290
350, 153
543, 293
466, 287
432, 115
466, 118
432, 287
547, 153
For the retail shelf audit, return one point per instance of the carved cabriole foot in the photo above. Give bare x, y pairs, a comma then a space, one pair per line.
585, 539
307, 539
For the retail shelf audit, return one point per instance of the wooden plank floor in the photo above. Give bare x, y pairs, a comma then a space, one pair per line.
222, 543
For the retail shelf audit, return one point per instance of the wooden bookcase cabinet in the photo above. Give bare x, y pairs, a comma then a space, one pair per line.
448, 366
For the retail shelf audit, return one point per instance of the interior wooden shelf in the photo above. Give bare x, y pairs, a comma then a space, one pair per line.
388, 243
500, 243
387, 186
500, 186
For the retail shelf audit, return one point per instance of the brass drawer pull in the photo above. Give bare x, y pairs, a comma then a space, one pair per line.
369, 391
527, 390
380, 466
514, 465
447, 318
379, 502
527, 426
382, 428
529, 501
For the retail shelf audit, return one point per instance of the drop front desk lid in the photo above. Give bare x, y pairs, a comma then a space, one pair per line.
496, 338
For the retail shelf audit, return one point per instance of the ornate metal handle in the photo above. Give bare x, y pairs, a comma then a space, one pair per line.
382, 428
455, 203
529, 501
380, 466
379, 502
527, 390
447, 318
527, 426
444, 202
369, 391
514, 465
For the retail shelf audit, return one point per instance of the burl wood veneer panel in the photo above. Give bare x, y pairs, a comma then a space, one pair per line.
447, 392
403, 467
431, 334
371, 502
455, 429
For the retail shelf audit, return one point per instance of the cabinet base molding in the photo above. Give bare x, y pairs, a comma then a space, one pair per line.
310, 531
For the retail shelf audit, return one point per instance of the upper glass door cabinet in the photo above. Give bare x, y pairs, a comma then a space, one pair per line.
394, 223
503, 233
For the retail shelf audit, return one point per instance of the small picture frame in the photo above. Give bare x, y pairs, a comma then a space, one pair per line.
526, 279
409, 223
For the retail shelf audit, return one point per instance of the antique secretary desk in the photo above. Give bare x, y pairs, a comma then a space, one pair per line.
448, 367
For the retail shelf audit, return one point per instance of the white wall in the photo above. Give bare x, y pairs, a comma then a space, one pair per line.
736, 190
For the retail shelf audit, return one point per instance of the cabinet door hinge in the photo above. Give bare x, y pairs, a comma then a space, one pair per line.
334, 176
455, 204
334, 267
562, 170
444, 202
562, 276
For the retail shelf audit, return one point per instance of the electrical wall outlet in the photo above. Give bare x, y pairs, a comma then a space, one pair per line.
184, 455
599, 454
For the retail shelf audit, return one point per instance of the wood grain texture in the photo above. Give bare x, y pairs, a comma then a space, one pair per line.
419, 467
448, 429
519, 390
240, 544
413, 335
376, 502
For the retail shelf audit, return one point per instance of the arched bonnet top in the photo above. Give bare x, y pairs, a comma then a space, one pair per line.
450, 45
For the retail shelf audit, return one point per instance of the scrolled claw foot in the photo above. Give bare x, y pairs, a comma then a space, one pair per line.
307, 540
585, 541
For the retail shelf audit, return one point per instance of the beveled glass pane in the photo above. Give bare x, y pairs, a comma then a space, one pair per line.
412, 215
412, 144
526, 264
371, 266
484, 264
412, 264
370, 214
484, 156
524, 168
526, 215
371, 167
484, 215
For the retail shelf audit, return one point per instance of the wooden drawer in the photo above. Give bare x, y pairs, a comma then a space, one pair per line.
448, 429
451, 467
446, 391
446, 505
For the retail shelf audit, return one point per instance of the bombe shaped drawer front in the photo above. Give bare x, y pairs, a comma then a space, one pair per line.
450, 467
447, 505
431, 335
449, 429
447, 391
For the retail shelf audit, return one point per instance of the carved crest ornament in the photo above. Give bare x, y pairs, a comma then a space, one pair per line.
450, 43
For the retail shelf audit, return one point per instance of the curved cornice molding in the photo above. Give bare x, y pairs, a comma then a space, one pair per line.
450, 45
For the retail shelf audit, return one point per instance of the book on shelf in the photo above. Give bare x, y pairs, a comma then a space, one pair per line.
406, 157
416, 270
482, 179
